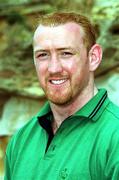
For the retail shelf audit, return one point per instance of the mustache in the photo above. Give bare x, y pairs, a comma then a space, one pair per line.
58, 75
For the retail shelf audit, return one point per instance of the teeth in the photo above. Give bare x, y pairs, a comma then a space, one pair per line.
58, 81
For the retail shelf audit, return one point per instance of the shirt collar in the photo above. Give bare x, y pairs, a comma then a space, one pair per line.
44, 118
92, 110
44, 110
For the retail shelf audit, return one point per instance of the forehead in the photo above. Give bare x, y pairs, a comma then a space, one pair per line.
71, 28
55, 37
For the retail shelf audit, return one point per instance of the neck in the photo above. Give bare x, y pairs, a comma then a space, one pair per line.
61, 112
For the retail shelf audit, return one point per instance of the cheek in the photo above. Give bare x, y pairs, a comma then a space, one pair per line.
41, 67
41, 70
80, 72
70, 66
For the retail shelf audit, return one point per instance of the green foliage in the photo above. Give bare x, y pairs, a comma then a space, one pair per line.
3, 2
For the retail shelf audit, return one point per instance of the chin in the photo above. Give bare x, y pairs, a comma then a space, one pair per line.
60, 100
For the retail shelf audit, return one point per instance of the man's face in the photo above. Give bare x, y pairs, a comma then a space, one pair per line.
61, 62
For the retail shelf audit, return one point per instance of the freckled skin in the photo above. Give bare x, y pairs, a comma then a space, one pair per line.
74, 69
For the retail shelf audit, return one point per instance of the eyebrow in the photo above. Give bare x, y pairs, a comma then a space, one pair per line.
58, 49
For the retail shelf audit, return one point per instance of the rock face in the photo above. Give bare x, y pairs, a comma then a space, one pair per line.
21, 96
16, 112
17, 72
106, 19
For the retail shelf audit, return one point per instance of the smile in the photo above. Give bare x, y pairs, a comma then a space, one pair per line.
58, 82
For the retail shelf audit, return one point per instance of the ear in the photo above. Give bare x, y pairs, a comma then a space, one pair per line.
95, 57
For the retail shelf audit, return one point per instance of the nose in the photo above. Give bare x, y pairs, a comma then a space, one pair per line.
54, 65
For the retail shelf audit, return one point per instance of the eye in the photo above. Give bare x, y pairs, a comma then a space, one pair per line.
42, 56
66, 54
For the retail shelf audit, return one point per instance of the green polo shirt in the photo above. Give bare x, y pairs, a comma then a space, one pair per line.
85, 147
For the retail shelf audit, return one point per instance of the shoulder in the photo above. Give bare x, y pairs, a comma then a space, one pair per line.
21, 135
29, 131
31, 125
110, 122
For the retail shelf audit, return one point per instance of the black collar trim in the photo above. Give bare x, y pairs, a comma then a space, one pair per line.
100, 103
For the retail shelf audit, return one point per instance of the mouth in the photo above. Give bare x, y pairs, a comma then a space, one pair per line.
58, 81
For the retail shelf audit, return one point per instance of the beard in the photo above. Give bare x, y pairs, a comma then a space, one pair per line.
65, 93
59, 97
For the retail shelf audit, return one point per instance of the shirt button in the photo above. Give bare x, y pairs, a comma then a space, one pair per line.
53, 147
64, 174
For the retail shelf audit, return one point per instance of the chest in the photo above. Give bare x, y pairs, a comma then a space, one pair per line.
74, 153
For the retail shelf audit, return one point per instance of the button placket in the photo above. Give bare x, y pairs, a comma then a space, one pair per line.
52, 147
55, 143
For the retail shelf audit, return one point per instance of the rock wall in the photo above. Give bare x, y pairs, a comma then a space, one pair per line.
20, 94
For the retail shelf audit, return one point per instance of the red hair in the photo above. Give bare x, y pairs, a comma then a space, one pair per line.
60, 18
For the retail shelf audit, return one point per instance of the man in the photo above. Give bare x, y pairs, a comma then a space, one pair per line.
76, 134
